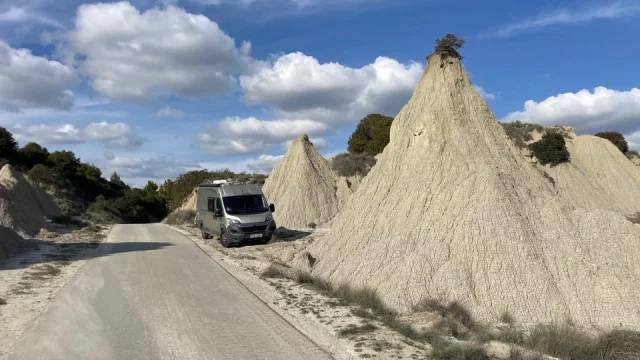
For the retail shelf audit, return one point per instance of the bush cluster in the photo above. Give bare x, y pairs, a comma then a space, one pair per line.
353, 164
520, 132
616, 138
551, 149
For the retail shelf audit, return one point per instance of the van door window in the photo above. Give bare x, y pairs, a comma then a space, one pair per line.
210, 204
218, 205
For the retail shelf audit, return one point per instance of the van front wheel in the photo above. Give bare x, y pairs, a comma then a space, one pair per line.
224, 241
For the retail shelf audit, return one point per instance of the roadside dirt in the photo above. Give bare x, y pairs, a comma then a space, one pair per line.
327, 321
29, 281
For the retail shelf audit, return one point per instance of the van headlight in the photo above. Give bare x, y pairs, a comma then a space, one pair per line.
268, 218
230, 221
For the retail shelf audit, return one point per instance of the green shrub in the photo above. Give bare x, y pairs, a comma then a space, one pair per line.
616, 138
351, 164
551, 149
371, 135
42, 174
520, 132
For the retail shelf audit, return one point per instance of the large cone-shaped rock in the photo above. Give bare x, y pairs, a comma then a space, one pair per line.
598, 176
453, 211
303, 187
24, 206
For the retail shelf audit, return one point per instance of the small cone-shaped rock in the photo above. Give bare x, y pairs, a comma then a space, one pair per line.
303, 187
453, 211
24, 206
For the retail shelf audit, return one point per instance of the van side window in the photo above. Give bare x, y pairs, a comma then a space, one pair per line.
210, 204
218, 205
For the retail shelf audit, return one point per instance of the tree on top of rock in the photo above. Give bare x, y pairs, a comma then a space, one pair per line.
449, 46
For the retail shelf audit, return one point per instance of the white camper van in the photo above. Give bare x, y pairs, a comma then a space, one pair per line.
234, 213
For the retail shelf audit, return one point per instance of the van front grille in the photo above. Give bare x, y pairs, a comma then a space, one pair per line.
254, 228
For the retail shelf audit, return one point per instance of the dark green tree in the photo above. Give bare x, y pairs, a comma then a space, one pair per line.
151, 188
8, 145
33, 154
64, 163
551, 149
115, 179
89, 172
371, 135
616, 138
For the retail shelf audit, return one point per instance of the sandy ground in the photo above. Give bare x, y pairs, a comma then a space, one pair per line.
30, 281
317, 316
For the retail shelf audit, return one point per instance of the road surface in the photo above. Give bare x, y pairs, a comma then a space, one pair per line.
151, 293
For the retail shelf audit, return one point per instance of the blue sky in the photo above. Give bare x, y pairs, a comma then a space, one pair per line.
151, 89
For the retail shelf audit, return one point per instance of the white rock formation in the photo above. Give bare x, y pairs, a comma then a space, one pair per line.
452, 210
24, 206
303, 187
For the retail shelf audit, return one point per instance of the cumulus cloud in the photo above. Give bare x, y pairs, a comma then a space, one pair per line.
264, 163
29, 81
251, 135
589, 112
113, 135
137, 56
169, 112
634, 140
299, 86
485, 95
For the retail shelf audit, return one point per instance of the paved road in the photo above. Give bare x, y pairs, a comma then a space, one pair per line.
151, 293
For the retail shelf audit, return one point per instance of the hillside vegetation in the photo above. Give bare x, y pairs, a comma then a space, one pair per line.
81, 190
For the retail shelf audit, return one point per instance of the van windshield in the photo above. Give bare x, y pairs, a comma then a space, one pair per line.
245, 204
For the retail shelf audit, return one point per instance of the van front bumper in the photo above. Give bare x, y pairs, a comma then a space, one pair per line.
256, 232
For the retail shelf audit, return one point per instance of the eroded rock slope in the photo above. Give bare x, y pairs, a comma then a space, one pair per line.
453, 211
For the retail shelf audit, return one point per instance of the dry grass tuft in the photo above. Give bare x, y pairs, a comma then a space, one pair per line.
357, 330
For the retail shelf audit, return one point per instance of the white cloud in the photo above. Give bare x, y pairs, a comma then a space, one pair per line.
298, 86
141, 56
113, 135
169, 112
264, 163
29, 81
138, 170
634, 140
15, 15
611, 10
250, 135
485, 95
589, 112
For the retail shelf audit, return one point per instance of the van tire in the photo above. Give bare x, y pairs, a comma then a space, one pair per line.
224, 241
203, 233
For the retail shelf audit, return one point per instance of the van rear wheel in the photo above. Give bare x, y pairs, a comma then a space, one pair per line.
203, 233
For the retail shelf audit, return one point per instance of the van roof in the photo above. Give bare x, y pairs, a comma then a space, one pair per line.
235, 190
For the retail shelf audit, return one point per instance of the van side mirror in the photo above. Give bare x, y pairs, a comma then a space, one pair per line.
217, 213
272, 208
